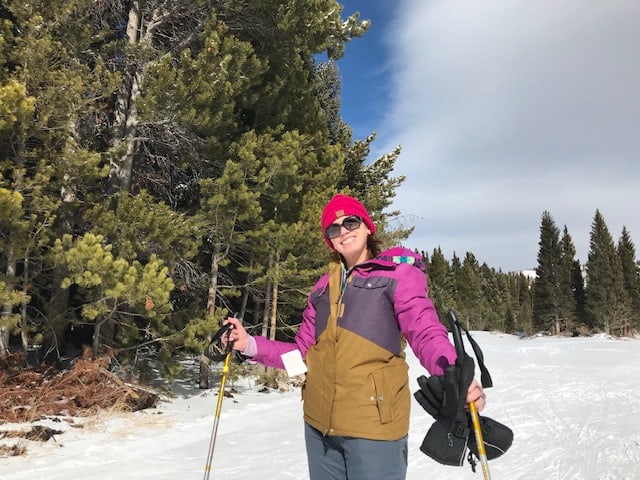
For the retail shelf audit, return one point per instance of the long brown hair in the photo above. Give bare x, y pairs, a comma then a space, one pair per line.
374, 245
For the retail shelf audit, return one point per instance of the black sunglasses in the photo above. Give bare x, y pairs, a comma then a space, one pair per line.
350, 223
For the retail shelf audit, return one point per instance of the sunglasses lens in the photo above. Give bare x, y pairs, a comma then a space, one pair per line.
350, 223
332, 231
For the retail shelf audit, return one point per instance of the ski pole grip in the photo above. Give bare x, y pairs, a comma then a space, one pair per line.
210, 352
224, 329
457, 335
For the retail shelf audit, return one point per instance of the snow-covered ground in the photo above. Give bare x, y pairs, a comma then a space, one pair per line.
572, 403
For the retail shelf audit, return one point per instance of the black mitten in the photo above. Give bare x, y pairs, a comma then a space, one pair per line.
446, 441
497, 438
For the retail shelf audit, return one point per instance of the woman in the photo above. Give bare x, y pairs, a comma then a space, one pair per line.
358, 319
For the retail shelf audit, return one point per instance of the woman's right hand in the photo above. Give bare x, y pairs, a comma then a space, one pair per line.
237, 334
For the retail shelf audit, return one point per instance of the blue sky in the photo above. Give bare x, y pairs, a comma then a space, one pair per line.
503, 109
365, 68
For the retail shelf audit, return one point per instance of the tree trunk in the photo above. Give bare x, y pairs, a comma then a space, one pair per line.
213, 282
24, 327
245, 292
267, 309
126, 112
7, 309
274, 311
97, 336
203, 375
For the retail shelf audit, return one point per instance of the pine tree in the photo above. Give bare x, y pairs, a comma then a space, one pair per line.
441, 283
229, 209
546, 314
299, 185
117, 291
566, 298
45, 154
148, 34
469, 299
631, 277
12, 228
606, 300
495, 298
521, 309
579, 298
328, 89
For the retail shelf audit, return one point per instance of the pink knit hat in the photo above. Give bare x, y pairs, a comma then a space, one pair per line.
341, 206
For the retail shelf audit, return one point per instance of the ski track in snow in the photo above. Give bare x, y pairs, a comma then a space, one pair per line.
572, 404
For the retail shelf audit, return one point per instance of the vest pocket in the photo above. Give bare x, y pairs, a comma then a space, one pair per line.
388, 383
383, 396
314, 392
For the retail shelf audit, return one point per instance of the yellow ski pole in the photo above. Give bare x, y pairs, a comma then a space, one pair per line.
475, 418
216, 421
482, 453
223, 380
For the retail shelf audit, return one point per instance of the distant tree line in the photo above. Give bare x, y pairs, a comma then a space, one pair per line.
563, 298
163, 164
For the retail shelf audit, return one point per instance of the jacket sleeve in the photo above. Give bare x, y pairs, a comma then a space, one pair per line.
269, 351
419, 322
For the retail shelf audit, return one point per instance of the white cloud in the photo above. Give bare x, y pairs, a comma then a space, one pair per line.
506, 108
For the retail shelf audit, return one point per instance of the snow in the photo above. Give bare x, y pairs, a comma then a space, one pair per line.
571, 402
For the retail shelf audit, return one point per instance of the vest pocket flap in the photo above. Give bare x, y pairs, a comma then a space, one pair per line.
371, 282
383, 396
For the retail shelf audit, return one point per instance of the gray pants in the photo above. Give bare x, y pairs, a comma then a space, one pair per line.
349, 458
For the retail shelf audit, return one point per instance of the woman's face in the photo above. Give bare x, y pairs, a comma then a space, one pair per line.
351, 244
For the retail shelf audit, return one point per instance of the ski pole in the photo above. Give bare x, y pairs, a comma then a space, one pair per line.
475, 419
482, 453
223, 379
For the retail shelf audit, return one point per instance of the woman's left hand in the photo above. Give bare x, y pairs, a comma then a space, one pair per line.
476, 394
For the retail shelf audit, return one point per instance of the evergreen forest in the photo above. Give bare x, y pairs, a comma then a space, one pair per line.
164, 165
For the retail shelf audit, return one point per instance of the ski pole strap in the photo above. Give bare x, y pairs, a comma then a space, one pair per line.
456, 329
212, 351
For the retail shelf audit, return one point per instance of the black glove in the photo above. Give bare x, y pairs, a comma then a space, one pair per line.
431, 394
444, 396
